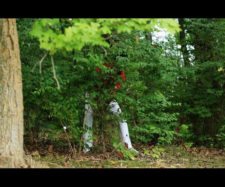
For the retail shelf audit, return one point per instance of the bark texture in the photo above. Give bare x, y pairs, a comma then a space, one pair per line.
11, 98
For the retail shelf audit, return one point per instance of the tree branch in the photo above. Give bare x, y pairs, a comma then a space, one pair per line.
40, 63
54, 73
104, 51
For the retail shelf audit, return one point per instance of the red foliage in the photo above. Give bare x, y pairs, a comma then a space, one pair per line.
98, 69
117, 86
122, 75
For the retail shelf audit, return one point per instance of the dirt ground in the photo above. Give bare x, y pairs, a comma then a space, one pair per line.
163, 157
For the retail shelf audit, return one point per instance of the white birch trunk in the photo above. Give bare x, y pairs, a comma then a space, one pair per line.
115, 109
88, 123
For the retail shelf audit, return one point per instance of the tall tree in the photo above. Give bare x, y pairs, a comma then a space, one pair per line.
205, 78
207, 37
11, 98
182, 39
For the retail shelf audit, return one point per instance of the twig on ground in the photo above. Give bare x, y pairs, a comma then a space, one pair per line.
68, 140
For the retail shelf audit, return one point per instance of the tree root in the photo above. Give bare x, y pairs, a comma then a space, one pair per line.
26, 162
12, 162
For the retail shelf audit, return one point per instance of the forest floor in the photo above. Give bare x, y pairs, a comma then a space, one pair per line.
163, 157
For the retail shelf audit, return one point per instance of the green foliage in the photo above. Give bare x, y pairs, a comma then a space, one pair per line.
220, 137
128, 154
82, 32
156, 152
184, 135
204, 109
47, 109
153, 134
146, 101
201, 85
79, 46
207, 37
184, 132
159, 95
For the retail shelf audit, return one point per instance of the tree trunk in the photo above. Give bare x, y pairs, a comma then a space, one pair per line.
124, 131
88, 123
11, 98
183, 42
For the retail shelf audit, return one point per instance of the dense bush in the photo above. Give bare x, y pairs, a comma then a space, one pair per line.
163, 100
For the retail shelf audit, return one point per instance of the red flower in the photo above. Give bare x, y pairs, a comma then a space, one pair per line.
98, 69
117, 86
122, 75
